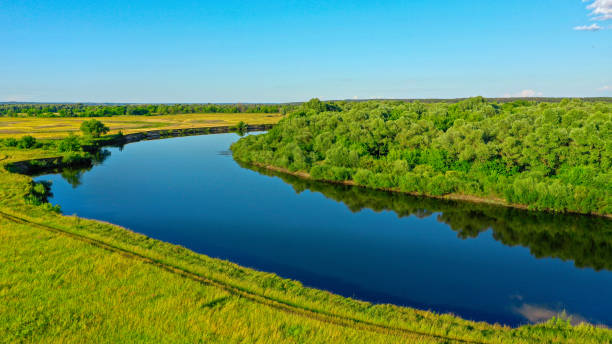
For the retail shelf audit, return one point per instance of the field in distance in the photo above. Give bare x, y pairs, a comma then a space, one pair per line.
59, 127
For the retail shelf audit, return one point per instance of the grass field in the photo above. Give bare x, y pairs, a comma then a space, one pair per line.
71, 280
58, 127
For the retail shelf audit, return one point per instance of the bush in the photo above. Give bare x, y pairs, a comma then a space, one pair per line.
11, 142
341, 173
37, 192
26, 142
362, 177
322, 172
69, 144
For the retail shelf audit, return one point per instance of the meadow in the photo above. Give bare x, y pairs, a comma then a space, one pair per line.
69, 279
60, 127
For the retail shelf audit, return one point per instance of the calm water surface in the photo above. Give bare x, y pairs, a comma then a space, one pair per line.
480, 262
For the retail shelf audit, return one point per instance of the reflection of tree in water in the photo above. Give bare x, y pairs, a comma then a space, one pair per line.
73, 175
585, 240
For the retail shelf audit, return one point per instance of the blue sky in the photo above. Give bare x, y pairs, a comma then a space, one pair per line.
278, 51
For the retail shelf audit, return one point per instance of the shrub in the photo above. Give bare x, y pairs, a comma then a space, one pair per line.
362, 177
69, 144
37, 192
341, 173
321, 172
11, 142
26, 142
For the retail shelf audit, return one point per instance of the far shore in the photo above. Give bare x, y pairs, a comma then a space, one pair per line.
452, 196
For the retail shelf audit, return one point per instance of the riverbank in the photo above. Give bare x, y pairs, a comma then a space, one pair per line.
441, 149
60, 127
69, 278
452, 196
39, 165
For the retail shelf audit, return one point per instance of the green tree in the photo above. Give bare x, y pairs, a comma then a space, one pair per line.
94, 128
69, 144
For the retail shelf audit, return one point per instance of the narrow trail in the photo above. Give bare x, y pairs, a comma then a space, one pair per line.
241, 292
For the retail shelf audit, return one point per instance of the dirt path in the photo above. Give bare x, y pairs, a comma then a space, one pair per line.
241, 292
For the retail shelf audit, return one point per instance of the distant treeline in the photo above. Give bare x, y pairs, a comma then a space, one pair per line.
555, 156
106, 109
496, 100
99, 110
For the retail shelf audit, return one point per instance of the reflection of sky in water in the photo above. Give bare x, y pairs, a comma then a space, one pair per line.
374, 246
538, 314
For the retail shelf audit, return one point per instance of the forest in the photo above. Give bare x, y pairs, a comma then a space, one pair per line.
543, 155
105, 110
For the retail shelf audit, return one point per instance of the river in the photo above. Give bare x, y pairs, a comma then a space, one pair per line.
477, 261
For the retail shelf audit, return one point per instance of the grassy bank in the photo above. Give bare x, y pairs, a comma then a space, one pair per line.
66, 279
59, 127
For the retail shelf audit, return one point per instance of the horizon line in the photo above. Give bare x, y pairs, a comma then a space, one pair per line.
505, 99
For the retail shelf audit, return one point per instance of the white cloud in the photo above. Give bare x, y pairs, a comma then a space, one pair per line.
600, 9
523, 94
605, 88
592, 27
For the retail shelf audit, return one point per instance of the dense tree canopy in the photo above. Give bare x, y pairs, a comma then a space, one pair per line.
555, 156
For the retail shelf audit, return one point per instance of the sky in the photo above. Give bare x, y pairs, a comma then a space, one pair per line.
283, 51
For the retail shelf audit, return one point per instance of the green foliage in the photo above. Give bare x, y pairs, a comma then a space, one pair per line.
555, 156
37, 194
9, 142
26, 142
69, 144
94, 128
241, 128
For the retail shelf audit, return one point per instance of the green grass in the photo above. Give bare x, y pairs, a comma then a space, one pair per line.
66, 279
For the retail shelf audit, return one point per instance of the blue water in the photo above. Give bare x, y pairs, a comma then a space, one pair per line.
475, 261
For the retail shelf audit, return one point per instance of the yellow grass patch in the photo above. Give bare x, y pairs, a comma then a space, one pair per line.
52, 128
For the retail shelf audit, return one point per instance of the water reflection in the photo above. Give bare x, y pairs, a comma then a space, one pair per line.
539, 314
585, 240
74, 175
189, 192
